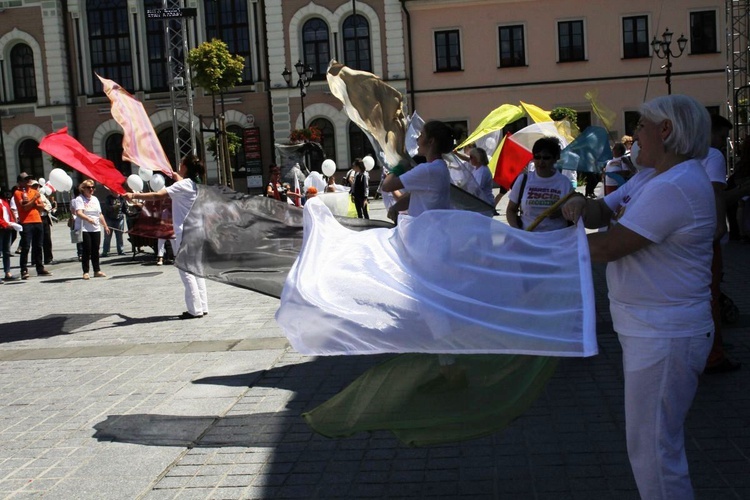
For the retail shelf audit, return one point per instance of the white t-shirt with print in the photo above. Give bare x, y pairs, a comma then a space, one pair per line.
539, 194
183, 194
428, 185
91, 208
663, 289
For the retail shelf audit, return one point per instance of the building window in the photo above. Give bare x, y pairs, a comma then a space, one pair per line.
109, 41
460, 130
315, 46
228, 21
166, 139
30, 158
570, 41
583, 120
635, 42
447, 51
327, 142
631, 121
157, 52
359, 144
357, 43
22, 69
237, 160
512, 48
113, 152
515, 126
703, 32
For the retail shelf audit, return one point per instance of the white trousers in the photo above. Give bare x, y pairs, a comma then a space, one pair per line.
196, 299
661, 378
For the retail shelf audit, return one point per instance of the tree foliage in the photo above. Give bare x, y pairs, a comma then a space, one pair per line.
561, 113
234, 141
214, 68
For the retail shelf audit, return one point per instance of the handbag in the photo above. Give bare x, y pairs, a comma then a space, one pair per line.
76, 236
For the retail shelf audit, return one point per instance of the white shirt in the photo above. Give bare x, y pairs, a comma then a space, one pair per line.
716, 166
483, 176
614, 166
429, 187
183, 194
91, 208
663, 289
539, 194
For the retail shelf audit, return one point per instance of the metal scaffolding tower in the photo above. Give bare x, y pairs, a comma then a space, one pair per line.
175, 17
738, 72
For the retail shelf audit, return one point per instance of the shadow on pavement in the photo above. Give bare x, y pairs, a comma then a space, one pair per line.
312, 383
48, 326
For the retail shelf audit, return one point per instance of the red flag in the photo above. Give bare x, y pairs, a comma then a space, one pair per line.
71, 152
513, 158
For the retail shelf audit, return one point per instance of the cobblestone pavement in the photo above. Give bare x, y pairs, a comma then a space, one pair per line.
105, 394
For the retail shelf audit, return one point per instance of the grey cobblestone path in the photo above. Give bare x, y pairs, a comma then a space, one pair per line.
104, 394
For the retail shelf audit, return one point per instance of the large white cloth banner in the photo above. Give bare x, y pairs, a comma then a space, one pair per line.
448, 281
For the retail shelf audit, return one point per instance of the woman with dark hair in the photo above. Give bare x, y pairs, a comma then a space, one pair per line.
360, 188
659, 252
428, 184
534, 192
183, 194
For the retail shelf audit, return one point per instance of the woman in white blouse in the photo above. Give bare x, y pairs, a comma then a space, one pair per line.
90, 221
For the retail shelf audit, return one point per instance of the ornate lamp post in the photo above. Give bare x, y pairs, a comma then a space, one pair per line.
304, 74
662, 49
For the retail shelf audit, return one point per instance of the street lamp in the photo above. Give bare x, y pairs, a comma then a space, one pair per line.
662, 49
304, 74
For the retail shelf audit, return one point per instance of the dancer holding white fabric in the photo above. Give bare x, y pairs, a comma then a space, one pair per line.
183, 194
427, 184
659, 276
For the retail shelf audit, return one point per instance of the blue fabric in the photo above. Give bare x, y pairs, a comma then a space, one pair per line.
589, 152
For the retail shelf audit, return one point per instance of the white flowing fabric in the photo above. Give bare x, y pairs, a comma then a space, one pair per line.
448, 281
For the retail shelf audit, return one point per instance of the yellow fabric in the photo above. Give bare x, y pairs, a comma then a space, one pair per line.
352, 210
495, 156
536, 113
607, 116
497, 119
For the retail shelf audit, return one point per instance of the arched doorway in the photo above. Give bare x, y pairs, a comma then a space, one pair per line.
30, 158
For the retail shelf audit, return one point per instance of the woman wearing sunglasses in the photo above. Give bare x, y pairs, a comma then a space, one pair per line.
534, 192
89, 216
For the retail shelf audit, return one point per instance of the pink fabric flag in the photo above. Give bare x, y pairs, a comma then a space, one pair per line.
71, 152
140, 144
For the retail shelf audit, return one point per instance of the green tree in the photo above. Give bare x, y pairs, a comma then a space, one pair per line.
561, 113
214, 68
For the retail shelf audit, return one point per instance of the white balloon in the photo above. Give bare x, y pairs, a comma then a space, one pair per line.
42, 181
328, 167
59, 179
490, 144
369, 162
68, 183
135, 183
157, 182
145, 174
46, 191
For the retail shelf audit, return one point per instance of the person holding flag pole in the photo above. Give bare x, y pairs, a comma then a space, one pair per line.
183, 194
658, 274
